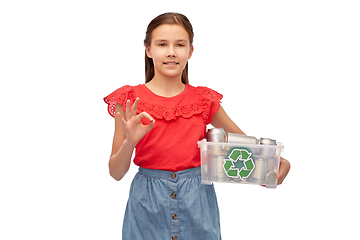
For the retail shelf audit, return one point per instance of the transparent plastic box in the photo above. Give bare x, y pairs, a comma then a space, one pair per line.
240, 163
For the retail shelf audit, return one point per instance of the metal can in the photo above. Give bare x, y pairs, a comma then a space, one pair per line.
238, 138
218, 154
218, 170
215, 135
258, 175
268, 152
243, 139
267, 141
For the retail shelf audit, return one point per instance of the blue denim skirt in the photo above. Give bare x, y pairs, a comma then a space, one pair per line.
166, 205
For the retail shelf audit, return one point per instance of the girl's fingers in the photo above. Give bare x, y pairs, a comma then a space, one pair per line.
279, 178
134, 107
122, 120
283, 171
147, 116
150, 125
131, 111
127, 113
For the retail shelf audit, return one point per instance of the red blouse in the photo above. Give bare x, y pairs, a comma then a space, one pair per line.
180, 122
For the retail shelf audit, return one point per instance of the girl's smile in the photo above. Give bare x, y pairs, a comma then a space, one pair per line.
171, 63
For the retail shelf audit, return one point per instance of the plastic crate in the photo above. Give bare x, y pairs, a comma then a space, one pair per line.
240, 163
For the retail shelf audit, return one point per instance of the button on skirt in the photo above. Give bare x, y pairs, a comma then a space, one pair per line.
171, 205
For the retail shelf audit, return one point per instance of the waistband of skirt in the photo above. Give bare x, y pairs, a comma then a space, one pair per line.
154, 173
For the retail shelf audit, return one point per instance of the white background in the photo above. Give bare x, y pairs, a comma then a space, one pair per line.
288, 70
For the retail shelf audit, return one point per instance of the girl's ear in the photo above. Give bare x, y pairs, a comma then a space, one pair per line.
148, 52
191, 51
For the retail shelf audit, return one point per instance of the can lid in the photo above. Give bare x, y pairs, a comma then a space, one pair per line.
267, 141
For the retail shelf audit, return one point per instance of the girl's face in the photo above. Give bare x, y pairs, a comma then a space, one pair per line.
170, 50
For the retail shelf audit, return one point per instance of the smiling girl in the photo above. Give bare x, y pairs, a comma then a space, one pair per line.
163, 120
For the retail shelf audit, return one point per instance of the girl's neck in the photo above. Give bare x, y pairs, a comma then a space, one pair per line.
166, 87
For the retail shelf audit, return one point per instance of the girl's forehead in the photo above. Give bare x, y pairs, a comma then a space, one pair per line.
170, 32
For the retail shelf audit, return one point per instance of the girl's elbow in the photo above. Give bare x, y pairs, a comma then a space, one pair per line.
115, 176
118, 169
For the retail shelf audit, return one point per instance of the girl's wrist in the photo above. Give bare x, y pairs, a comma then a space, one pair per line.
128, 145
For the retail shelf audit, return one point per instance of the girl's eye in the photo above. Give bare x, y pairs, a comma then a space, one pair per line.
162, 44
181, 45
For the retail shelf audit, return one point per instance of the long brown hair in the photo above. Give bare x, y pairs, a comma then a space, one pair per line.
166, 18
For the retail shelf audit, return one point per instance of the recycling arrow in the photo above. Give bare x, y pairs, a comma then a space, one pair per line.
239, 164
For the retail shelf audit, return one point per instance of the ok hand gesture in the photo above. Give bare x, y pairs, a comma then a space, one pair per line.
134, 128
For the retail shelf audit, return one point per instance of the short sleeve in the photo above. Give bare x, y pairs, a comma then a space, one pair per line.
120, 96
210, 101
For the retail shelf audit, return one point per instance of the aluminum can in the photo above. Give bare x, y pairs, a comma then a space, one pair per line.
216, 135
268, 152
267, 141
258, 175
243, 139
218, 153
218, 168
238, 138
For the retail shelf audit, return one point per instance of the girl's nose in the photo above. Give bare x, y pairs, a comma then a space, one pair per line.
171, 53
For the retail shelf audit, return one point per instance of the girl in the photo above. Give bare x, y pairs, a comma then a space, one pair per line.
163, 120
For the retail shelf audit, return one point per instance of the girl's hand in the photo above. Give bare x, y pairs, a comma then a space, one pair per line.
134, 129
283, 170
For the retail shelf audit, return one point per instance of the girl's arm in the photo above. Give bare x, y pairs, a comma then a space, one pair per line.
128, 132
222, 120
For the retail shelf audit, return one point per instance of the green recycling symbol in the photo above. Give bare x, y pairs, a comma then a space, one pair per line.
239, 163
